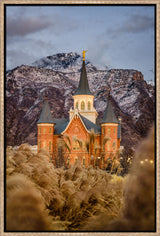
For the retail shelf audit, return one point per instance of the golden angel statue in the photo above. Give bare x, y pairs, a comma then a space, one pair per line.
84, 55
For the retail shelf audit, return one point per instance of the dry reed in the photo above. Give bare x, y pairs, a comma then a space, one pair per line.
25, 206
138, 212
70, 196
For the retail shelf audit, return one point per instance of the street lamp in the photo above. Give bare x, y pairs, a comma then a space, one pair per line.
98, 160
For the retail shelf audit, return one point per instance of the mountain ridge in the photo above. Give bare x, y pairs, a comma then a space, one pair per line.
132, 98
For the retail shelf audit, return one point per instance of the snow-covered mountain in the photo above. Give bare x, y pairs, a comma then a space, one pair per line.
58, 75
150, 82
64, 62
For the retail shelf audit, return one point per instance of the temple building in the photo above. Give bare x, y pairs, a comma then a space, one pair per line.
80, 139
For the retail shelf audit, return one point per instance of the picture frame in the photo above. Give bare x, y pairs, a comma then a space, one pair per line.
2, 109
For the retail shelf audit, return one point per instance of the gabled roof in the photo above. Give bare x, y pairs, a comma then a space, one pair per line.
45, 116
109, 116
83, 88
88, 125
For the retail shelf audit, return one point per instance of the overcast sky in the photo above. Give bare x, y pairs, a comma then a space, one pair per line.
115, 36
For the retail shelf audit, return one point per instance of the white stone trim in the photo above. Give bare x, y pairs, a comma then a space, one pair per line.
109, 124
45, 124
76, 115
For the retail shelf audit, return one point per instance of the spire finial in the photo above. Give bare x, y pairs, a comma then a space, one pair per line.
84, 54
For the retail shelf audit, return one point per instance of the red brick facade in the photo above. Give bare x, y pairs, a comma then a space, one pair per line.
76, 131
95, 154
45, 137
80, 139
110, 147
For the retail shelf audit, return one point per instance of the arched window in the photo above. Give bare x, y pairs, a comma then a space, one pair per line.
103, 130
50, 145
76, 160
114, 145
75, 145
109, 131
84, 146
76, 105
108, 145
89, 106
82, 105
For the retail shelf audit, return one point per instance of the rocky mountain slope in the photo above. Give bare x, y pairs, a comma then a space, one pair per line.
58, 75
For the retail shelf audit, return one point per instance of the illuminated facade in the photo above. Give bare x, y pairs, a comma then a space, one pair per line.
80, 139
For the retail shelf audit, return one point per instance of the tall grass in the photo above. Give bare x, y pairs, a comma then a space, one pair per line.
138, 211
25, 206
42, 197
69, 196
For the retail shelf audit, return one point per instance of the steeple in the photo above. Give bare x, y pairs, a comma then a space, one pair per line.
83, 88
83, 98
45, 116
109, 116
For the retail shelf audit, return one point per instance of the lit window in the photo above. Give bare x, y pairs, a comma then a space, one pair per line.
50, 130
108, 145
82, 105
103, 130
89, 106
76, 160
114, 145
76, 105
109, 131
75, 145
44, 144
84, 146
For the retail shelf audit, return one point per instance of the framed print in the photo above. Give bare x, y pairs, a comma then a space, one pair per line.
80, 117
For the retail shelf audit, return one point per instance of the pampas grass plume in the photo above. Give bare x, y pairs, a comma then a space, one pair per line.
25, 206
138, 211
